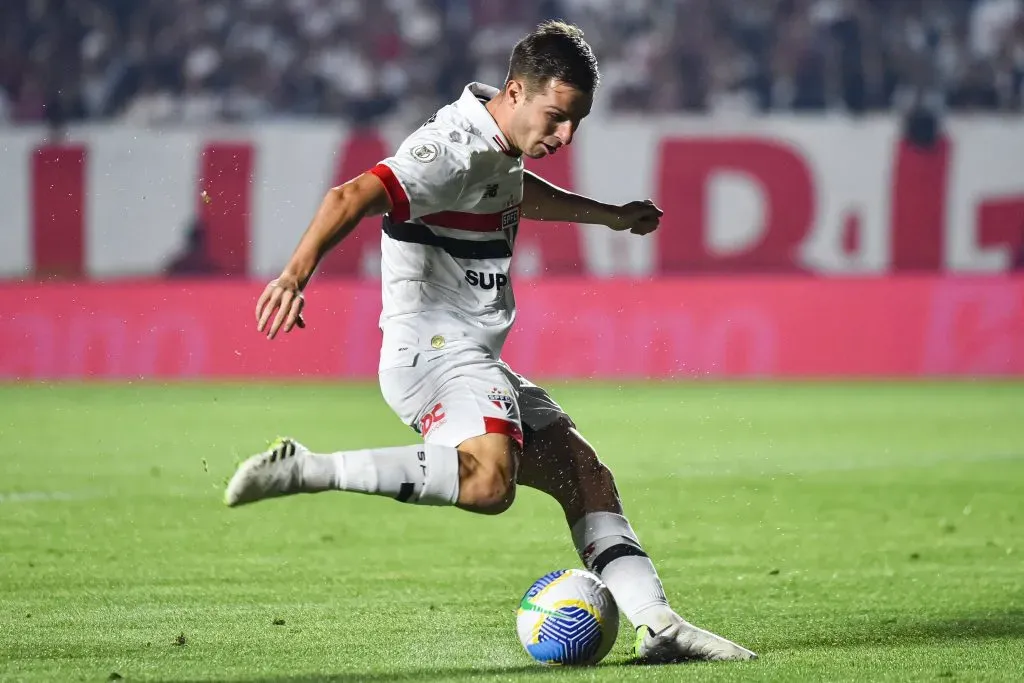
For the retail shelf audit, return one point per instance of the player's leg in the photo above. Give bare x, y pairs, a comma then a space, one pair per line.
560, 462
487, 473
478, 475
469, 457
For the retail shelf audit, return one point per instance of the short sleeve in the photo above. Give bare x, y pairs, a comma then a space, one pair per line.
426, 175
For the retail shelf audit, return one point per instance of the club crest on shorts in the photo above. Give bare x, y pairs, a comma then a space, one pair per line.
503, 400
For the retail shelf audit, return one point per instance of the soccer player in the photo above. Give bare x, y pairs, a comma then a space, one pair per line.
451, 199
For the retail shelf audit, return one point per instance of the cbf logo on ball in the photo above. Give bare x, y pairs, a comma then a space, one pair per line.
568, 617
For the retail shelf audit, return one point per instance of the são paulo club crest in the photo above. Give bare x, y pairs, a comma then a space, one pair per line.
502, 398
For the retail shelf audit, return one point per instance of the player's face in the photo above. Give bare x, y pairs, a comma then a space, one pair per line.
549, 118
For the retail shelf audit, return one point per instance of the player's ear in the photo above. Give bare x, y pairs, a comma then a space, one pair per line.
515, 90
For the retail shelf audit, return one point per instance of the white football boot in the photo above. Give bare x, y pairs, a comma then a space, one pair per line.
682, 641
273, 473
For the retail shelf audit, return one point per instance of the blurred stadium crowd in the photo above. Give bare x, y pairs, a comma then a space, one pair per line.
154, 62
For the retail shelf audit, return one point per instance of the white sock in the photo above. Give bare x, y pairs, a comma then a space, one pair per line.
608, 547
425, 474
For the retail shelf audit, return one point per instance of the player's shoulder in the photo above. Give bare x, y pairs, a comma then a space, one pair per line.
430, 150
448, 132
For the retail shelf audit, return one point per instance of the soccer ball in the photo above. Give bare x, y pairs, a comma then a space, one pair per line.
568, 617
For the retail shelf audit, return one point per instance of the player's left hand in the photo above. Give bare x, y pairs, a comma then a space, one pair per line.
639, 217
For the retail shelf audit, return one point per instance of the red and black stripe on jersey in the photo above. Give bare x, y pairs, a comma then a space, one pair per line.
416, 233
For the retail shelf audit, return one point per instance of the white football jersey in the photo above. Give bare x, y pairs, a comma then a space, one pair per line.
447, 242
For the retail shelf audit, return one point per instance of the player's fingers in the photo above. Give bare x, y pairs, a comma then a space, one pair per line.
272, 302
645, 226
262, 301
294, 313
282, 311
646, 211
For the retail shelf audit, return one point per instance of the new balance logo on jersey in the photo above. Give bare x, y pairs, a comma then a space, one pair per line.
491, 191
486, 280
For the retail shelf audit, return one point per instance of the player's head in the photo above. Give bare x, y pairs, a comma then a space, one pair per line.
552, 77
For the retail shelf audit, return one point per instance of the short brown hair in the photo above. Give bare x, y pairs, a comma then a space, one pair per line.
555, 50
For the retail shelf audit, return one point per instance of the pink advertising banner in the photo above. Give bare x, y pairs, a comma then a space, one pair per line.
666, 327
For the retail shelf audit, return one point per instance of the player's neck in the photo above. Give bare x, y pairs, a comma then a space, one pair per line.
499, 112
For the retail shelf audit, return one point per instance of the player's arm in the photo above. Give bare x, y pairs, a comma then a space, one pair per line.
339, 213
543, 201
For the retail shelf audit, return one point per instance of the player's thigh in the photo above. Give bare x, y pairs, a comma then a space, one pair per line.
537, 409
553, 448
453, 397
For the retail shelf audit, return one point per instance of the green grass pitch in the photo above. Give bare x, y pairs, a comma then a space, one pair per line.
861, 531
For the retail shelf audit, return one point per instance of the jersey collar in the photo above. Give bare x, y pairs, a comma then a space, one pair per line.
472, 102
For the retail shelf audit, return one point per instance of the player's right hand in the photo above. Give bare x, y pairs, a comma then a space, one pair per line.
640, 217
284, 296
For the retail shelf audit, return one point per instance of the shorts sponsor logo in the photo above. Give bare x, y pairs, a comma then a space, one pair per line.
431, 419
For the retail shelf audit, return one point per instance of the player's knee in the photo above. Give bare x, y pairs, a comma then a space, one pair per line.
487, 472
488, 490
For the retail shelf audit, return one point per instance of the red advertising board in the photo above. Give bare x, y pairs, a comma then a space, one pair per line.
574, 327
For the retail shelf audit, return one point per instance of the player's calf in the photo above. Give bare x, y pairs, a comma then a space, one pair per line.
562, 464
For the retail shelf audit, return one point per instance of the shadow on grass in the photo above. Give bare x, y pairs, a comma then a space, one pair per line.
446, 674
890, 632
425, 674
895, 631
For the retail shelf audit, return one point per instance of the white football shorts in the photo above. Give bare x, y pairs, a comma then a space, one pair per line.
460, 391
